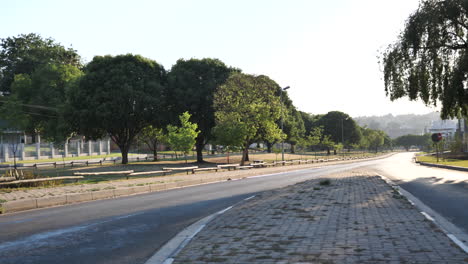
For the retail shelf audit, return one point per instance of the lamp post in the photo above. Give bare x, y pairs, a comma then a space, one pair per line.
342, 135
281, 108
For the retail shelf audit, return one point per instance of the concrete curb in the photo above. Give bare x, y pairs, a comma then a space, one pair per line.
443, 166
166, 254
29, 204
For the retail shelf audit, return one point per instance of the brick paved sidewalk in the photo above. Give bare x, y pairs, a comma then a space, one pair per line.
357, 218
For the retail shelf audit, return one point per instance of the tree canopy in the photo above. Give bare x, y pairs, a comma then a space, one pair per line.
25, 53
430, 58
340, 126
248, 102
36, 102
118, 96
152, 137
191, 85
408, 141
182, 138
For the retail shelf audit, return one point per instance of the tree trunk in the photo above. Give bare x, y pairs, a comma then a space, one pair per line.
334, 152
245, 154
124, 151
199, 145
328, 151
155, 154
293, 148
269, 146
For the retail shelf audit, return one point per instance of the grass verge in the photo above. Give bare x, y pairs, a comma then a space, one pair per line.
450, 162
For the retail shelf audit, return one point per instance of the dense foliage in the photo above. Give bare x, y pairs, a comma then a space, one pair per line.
248, 102
25, 53
117, 96
191, 85
128, 97
430, 58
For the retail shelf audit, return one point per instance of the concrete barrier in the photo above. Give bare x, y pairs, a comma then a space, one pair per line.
51, 201
141, 189
157, 187
103, 194
79, 197
122, 192
20, 205
171, 185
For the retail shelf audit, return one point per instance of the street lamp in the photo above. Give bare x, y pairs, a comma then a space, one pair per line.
281, 101
342, 135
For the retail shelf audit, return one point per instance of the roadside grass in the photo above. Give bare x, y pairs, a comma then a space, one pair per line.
210, 161
451, 162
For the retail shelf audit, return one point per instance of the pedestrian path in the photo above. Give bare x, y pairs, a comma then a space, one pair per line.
354, 217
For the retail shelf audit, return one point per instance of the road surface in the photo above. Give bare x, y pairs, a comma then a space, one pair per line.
131, 229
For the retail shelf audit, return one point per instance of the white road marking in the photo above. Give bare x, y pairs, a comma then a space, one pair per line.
428, 216
248, 198
458, 242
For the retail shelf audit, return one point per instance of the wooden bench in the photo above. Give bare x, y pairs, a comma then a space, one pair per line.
187, 169
19, 182
163, 172
103, 173
7, 179
228, 166
207, 169
280, 162
258, 165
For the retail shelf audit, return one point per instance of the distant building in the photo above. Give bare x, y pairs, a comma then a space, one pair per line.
447, 128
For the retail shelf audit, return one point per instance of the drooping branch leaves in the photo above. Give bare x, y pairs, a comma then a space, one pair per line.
429, 61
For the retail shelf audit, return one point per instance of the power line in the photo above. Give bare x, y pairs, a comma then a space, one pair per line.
35, 106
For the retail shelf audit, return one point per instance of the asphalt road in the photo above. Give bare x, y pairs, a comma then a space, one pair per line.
444, 191
131, 229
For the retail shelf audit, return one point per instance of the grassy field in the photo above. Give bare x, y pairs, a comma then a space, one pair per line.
210, 161
451, 162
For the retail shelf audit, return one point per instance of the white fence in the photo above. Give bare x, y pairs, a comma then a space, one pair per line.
73, 148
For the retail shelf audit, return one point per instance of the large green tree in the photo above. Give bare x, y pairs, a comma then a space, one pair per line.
23, 54
191, 85
37, 100
294, 128
407, 141
430, 58
118, 96
340, 126
249, 104
373, 139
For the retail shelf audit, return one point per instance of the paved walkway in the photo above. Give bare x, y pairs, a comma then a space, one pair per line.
357, 218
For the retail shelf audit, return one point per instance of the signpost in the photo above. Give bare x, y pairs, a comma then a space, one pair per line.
436, 138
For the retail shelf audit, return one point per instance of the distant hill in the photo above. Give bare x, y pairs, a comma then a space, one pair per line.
399, 125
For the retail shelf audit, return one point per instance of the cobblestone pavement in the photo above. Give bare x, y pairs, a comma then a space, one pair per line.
356, 218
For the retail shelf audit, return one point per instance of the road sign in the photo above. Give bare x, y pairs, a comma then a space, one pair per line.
436, 137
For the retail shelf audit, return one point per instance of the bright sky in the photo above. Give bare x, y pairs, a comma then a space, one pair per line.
325, 50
